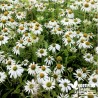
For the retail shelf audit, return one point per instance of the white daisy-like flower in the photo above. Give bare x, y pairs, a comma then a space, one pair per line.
48, 84
41, 52
20, 15
10, 62
68, 41
28, 41
63, 95
95, 72
33, 68
57, 30
86, 7
89, 94
66, 21
53, 47
88, 57
15, 71
78, 2
61, 1
76, 21
45, 69
87, 44
65, 85
69, 34
2, 77
14, 1
79, 74
87, 22
3, 7
21, 29
80, 42
61, 13
35, 39
6, 15
5, 31
70, 14
75, 85
74, 6
93, 81
37, 30
2, 57
31, 87
73, 49
16, 50
41, 76
51, 24
9, 6
59, 68
49, 60
96, 50
85, 72
3, 39
12, 23
25, 62
57, 76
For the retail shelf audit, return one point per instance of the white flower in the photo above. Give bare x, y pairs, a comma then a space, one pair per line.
73, 49
65, 85
10, 62
88, 57
2, 77
49, 60
45, 69
75, 85
87, 44
41, 76
37, 30
63, 96
93, 81
51, 24
74, 6
79, 74
16, 50
76, 21
70, 14
89, 94
15, 71
31, 87
68, 41
35, 39
41, 52
78, 2
59, 68
33, 68
2, 57
48, 84
86, 7
53, 47
14, 1
3, 7
20, 15
25, 62
96, 50
57, 30
66, 21
3, 39
57, 76
21, 29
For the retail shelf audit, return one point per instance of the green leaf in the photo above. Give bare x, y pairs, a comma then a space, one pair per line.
71, 58
65, 52
7, 93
